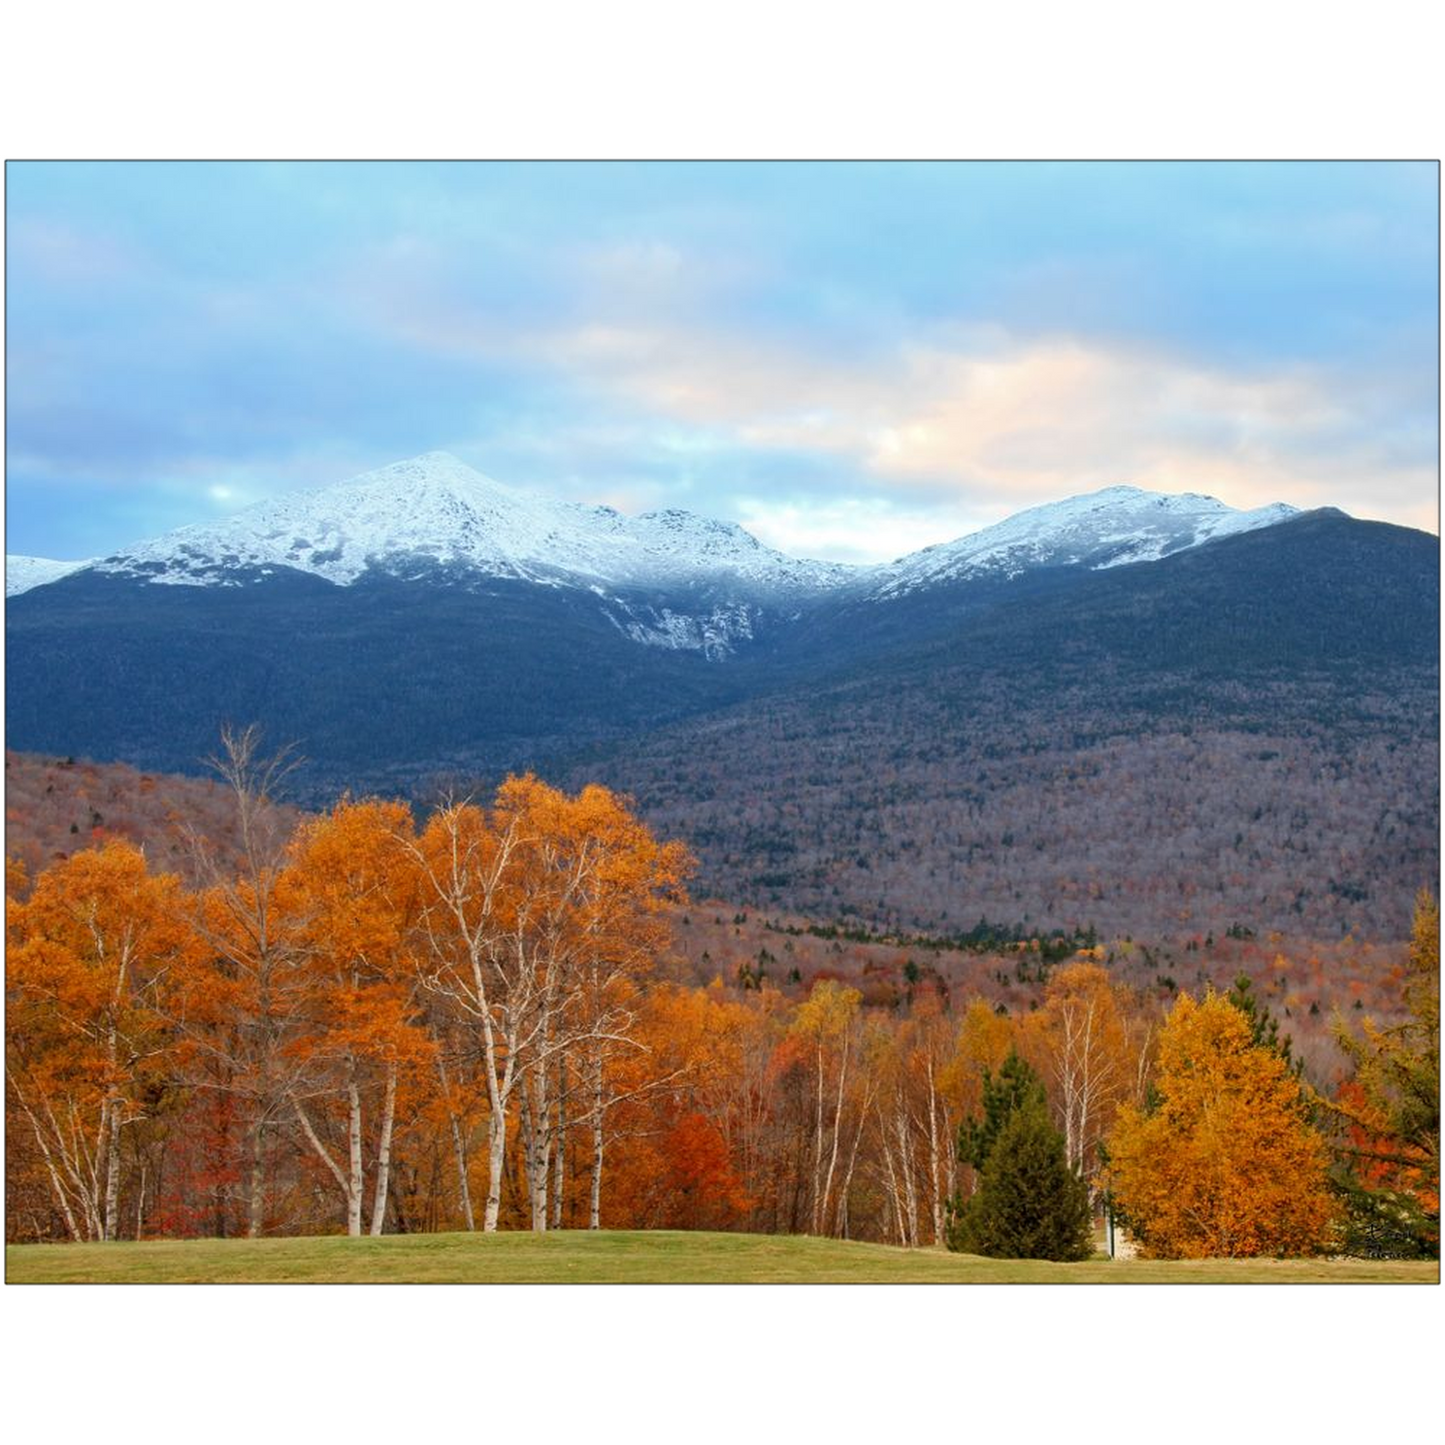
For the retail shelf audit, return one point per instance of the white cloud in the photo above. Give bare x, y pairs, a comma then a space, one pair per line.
983, 421
852, 529
1018, 424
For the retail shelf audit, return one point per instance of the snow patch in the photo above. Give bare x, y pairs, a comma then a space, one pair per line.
436, 508
23, 573
1115, 527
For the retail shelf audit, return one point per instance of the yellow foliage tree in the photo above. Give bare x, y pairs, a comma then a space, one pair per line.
1227, 1164
1080, 1044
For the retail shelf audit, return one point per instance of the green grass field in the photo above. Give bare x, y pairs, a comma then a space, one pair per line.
621, 1257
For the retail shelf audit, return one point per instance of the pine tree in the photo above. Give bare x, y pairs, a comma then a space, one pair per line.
1029, 1204
1016, 1085
1263, 1026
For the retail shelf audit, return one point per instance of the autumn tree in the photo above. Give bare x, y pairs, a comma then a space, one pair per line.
983, 1040
1227, 1163
352, 892
238, 1011
533, 916
928, 1042
608, 926
1081, 1044
824, 1026
1390, 1109
679, 1105
89, 1050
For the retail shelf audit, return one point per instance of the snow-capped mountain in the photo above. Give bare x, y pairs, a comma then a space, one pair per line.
436, 511
424, 620
23, 573
1108, 528
667, 579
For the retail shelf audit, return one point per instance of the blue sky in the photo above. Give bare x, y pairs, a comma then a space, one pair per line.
850, 360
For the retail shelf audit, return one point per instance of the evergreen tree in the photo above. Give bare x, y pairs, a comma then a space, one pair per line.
1016, 1085
1029, 1204
1263, 1026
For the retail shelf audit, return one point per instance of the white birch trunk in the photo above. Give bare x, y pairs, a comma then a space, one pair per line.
852, 1163
112, 1169
818, 1148
254, 1188
343, 1179
496, 1161
893, 1190
56, 1184
594, 1215
935, 1161
539, 1145
354, 1180
559, 1178
383, 1154
837, 1130
910, 1193
459, 1146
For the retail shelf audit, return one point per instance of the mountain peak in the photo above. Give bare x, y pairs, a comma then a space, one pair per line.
434, 510
1111, 527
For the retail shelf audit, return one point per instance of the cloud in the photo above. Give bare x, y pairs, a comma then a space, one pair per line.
849, 528
992, 423
859, 359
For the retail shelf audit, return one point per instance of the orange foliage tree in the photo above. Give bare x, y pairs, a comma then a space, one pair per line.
537, 916
88, 1051
824, 1026
352, 891
1227, 1163
237, 1011
678, 1114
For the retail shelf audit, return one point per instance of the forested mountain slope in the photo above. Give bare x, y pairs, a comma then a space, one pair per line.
1125, 709
1244, 733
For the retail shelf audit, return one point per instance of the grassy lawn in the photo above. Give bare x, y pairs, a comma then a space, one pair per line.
656, 1257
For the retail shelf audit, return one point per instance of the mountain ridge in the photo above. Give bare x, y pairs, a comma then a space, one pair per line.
1063, 742
435, 511
24, 573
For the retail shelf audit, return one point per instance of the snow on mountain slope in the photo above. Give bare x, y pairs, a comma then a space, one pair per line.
23, 573
435, 510
1108, 528
667, 579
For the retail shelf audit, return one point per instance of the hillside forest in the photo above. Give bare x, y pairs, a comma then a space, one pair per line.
228, 1018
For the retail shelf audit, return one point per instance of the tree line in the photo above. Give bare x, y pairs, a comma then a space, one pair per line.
374, 1023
